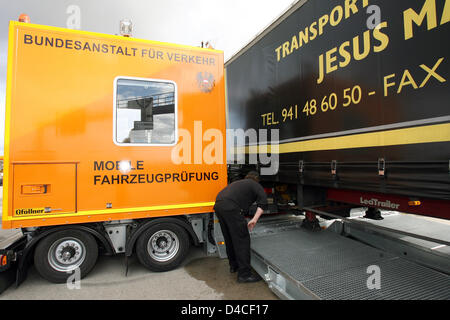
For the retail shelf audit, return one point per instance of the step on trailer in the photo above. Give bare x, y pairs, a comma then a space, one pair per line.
98, 155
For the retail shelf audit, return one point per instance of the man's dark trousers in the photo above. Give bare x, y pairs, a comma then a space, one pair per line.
236, 235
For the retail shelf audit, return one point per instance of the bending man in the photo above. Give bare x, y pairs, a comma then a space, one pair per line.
230, 205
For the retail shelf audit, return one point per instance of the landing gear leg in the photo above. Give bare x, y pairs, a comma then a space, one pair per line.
374, 214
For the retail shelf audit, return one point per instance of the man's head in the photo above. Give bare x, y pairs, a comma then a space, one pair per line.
253, 175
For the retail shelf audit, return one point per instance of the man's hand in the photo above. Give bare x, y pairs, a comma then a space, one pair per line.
251, 224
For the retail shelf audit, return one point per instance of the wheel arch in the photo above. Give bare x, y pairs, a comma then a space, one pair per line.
99, 237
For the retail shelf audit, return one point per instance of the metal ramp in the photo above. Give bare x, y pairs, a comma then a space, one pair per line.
301, 264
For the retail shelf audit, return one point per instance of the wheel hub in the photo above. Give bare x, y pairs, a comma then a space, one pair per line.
162, 242
163, 245
66, 254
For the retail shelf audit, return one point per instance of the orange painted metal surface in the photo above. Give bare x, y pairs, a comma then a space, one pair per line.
46, 187
60, 131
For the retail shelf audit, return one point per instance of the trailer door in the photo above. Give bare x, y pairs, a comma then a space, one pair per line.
42, 188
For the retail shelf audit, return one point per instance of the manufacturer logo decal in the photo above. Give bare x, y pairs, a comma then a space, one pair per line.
377, 203
30, 211
205, 81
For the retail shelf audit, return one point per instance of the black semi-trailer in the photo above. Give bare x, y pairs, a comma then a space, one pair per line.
359, 92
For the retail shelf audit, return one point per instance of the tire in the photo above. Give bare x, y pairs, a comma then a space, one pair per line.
58, 255
162, 247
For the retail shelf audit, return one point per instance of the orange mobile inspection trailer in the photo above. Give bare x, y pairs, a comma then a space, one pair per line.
112, 144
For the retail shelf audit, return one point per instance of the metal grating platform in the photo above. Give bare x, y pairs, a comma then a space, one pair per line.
330, 266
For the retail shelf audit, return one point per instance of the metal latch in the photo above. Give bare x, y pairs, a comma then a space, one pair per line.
334, 167
50, 209
381, 167
35, 189
301, 166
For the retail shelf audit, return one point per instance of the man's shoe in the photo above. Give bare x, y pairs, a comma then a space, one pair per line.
251, 278
233, 269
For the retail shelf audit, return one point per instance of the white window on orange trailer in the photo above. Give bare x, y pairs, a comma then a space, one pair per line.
145, 112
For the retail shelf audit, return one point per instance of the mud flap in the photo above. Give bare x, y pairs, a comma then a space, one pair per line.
12, 268
8, 277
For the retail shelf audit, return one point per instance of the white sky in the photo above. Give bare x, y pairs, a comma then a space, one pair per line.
228, 24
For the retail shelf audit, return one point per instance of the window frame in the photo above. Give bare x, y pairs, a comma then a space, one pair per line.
116, 79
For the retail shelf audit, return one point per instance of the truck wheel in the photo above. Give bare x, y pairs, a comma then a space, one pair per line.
59, 254
162, 247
